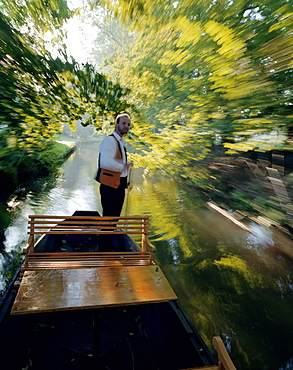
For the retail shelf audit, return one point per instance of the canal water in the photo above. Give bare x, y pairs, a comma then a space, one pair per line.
231, 282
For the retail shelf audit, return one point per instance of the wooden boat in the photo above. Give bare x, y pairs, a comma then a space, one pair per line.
76, 307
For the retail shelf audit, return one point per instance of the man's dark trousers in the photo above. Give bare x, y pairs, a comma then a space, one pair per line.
112, 199
112, 202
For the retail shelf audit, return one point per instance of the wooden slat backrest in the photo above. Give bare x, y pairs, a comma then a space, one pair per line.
87, 225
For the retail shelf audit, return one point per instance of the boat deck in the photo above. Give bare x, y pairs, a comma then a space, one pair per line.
72, 289
103, 314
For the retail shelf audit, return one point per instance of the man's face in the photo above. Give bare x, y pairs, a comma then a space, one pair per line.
123, 126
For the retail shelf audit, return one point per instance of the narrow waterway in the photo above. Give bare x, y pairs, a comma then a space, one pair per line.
231, 282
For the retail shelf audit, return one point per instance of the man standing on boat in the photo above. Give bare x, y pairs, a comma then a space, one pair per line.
113, 168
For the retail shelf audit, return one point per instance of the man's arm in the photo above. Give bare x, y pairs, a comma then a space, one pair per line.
108, 158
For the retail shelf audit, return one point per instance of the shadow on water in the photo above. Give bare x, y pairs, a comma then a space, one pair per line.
231, 283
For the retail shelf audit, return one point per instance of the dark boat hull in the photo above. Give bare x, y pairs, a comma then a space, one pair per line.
152, 336
142, 337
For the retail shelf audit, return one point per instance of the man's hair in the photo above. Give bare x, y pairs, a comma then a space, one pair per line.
120, 116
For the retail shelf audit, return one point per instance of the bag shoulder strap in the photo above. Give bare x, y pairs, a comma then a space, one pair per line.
118, 145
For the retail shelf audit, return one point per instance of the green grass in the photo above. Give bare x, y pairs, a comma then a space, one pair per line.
66, 138
60, 149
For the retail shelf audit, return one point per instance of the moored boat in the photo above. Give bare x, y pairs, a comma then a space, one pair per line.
77, 307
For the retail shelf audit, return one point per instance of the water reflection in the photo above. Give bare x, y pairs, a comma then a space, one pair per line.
231, 283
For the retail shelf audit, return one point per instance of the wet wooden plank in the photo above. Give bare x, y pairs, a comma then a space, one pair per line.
70, 289
223, 355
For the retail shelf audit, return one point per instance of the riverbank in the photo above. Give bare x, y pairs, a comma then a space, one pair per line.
65, 148
253, 189
14, 188
283, 241
251, 185
27, 169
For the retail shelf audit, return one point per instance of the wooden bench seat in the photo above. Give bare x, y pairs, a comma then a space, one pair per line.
41, 261
71, 225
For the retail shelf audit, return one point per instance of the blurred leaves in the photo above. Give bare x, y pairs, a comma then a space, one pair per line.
39, 93
204, 71
42, 15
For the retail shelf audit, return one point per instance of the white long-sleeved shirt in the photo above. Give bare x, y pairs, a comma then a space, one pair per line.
108, 155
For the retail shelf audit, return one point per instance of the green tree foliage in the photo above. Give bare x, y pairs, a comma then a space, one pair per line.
198, 71
42, 20
41, 15
203, 70
38, 94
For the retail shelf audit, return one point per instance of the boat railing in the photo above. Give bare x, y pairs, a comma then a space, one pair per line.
224, 360
69, 225
80, 225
